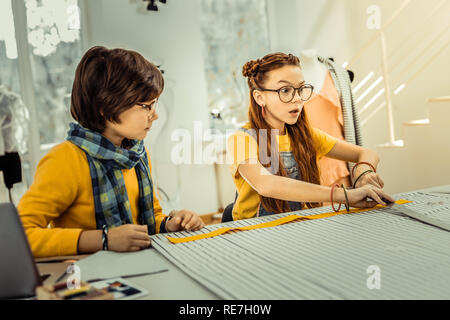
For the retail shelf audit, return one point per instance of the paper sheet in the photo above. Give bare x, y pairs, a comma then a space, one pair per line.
108, 264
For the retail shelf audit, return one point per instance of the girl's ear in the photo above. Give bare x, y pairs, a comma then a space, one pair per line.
259, 98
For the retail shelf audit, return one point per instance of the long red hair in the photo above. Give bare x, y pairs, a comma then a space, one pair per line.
299, 133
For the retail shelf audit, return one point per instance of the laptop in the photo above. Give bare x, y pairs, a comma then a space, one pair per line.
19, 275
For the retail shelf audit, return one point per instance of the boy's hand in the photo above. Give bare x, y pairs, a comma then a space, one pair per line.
184, 220
128, 237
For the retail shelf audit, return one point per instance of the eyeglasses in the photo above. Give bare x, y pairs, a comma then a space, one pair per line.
287, 93
149, 107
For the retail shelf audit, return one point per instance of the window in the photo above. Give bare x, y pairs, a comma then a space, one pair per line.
52, 32
53, 28
9, 75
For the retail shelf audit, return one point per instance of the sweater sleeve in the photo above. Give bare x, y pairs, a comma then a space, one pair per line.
54, 189
159, 215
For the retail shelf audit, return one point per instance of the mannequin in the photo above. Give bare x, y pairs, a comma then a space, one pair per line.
313, 71
12, 111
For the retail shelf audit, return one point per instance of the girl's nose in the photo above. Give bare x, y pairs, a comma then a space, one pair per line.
296, 96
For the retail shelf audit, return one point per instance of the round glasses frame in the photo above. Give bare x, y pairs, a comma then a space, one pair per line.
299, 90
149, 107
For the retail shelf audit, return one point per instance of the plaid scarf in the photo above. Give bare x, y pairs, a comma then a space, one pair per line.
106, 161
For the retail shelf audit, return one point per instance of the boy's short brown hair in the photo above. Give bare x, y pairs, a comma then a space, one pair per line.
108, 82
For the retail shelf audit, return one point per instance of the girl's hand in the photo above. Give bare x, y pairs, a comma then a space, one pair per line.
358, 197
371, 178
128, 237
184, 220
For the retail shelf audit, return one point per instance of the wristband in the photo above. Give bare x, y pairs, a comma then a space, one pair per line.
354, 183
332, 204
347, 206
167, 218
369, 164
105, 238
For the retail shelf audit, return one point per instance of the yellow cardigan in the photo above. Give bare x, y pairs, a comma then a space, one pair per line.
59, 205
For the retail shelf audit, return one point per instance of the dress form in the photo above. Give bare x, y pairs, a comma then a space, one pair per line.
313, 70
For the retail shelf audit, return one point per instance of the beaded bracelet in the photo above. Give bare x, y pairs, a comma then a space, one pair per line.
105, 237
347, 206
354, 183
332, 204
369, 164
166, 219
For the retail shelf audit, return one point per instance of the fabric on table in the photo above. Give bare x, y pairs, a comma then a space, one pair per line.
287, 219
330, 258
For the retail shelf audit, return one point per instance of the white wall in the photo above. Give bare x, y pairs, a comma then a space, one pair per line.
324, 25
423, 160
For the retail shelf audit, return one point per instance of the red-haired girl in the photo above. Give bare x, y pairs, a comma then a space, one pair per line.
274, 156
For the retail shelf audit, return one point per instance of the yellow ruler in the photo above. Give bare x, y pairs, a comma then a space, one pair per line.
274, 223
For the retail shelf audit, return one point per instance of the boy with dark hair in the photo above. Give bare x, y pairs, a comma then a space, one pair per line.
95, 189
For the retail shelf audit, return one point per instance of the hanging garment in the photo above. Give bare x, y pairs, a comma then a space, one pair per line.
324, 112
352, 129
350, 117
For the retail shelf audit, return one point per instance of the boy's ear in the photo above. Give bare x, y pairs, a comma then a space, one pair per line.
103, 115
259, 98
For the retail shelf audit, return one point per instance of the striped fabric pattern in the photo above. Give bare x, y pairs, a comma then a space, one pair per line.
331, 258
106, 162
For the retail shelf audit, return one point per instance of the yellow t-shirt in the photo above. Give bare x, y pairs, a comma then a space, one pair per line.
61, 196
242, 147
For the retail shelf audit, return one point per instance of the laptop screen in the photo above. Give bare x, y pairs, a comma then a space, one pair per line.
18, 272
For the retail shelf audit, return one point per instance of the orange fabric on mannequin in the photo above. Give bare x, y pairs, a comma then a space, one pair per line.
324, 112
